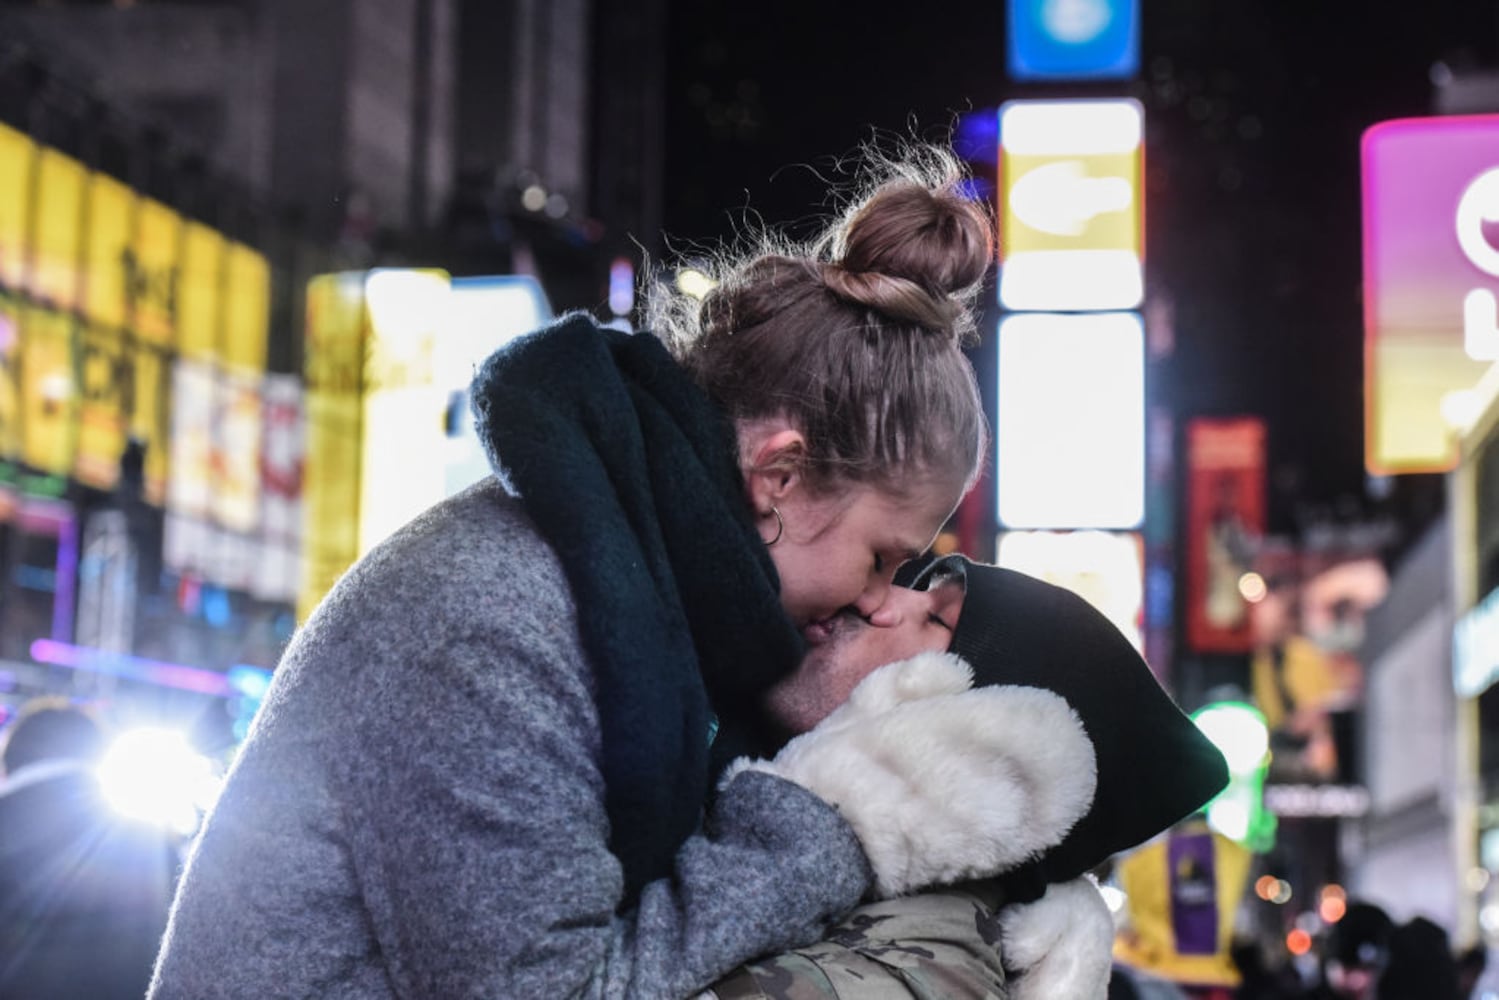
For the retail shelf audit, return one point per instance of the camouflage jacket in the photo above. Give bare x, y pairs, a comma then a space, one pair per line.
941, 945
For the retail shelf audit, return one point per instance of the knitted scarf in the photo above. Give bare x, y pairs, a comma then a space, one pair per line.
631, 474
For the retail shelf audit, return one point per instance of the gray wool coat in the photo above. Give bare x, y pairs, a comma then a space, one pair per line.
418, 810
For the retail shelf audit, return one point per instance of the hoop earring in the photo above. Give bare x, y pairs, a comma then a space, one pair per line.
780, 527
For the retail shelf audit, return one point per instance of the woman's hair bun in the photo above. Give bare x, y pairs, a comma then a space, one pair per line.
915, 249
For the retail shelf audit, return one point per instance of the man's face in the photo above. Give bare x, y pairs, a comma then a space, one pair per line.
839, 657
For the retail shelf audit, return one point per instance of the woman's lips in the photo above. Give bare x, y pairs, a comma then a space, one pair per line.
818, 632
827, 629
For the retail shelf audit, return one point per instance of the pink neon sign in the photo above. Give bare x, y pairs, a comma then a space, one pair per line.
1431, 284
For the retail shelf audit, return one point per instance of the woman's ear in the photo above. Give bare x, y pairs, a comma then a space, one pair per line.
772, 462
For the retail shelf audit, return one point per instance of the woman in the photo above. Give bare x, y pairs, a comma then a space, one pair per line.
483, 766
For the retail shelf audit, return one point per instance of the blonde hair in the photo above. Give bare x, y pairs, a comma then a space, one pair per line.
857, 336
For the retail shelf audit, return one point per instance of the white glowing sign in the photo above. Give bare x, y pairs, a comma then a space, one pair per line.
487, 313
1071, 421
1104, 569
1475, 648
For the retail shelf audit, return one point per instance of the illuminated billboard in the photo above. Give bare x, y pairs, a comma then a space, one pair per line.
248, 309
110, 208
49, 391
59, 226
1225, 522
151, 414
1071, 219
1431, 285
1073, 39
103, 416
486, 314
151, 273
401, 469
1070, 431
282, 456
376, 435
235, 453
200, 293
190, 489
1106, 570
332, 372
16, 157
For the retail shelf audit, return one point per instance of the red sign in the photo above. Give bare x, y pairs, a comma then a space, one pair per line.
1225, 521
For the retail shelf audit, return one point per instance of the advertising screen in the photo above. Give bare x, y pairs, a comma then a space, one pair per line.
1073, 39
103, 410
59, 215
190, 489
17, 155
1071, 221
200, 293
10, 371
153, 275
151, 413
234, 452
486, 314
1431, 284
334, 375
247, 317
1107, 570
110, 210
1225, 522
1071, 421
49, 394
281, 467
402, 465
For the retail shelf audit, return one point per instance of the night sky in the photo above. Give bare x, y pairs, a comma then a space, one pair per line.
1254, 109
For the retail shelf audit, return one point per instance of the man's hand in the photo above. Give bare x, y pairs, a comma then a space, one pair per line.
1062, 945
943, 783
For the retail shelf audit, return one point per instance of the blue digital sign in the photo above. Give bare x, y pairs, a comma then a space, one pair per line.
1074, 39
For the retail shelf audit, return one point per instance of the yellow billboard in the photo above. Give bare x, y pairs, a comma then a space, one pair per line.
61, 183
49, 396
153, 273
200, 293
151, 413
103, 418
334, 376
247, 318
10, 389
16, 157
110, 207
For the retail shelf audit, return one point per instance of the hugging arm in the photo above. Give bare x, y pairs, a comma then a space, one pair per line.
942, 783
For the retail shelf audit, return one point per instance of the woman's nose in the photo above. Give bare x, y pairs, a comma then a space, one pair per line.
875, 606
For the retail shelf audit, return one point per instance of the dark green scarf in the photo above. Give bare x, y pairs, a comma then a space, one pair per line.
631, 474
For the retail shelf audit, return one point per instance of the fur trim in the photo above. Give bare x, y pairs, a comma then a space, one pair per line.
1061, 945
941, 783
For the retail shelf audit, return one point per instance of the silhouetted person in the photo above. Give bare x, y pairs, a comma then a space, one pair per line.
1421, 966
83, 892
1355, 954
1258, 979
1471, 962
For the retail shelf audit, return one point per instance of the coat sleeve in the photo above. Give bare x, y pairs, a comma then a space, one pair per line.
418, 812
941, 945
482, 840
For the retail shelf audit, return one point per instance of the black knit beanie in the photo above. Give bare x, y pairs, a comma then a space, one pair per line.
1154, 766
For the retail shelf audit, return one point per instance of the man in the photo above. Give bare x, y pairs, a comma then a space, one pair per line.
970, 940
83, 892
